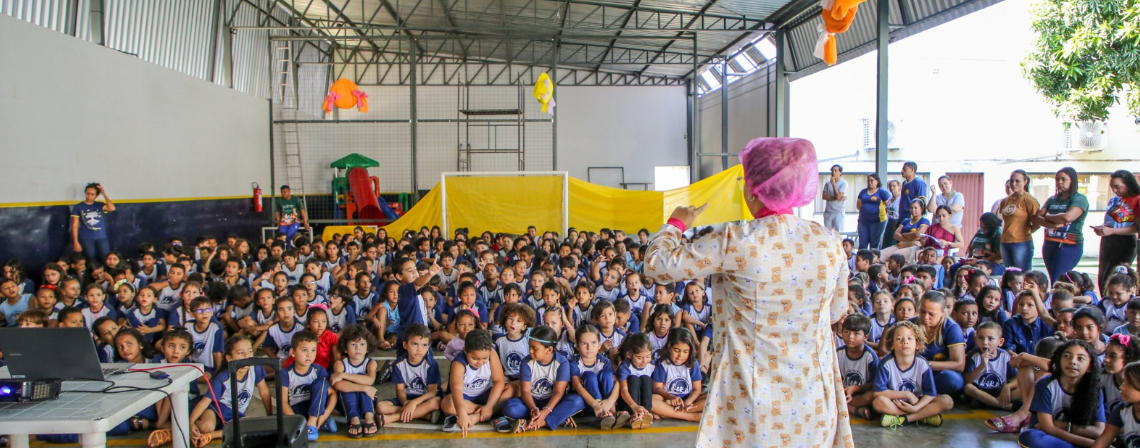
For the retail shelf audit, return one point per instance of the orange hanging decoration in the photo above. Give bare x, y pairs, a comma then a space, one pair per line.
837, 18
345, 94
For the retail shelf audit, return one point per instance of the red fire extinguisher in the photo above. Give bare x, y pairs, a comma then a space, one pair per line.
256, 197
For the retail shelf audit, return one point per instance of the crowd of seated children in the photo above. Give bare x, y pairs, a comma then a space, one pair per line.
1054, 357
542, 330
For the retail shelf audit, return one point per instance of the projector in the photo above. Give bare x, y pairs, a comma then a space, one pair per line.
24, 391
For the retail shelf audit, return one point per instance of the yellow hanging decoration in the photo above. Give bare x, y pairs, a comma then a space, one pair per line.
544, 93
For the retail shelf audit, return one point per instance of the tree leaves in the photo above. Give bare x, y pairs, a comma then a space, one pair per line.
1086, 55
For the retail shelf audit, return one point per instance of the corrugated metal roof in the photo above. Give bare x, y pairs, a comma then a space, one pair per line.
907, 17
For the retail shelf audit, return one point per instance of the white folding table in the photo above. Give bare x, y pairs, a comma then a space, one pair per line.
91, 415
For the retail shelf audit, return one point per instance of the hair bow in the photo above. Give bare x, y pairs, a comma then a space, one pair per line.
1013, 269
1123, 339
320, 306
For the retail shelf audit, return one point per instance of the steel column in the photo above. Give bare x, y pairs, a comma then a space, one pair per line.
881, 88
413, 52
553, 119
724, 77
212, 65
694, 161
782, 86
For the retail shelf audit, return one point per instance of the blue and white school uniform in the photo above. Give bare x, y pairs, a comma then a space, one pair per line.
657, 343
338, 321
878, 329
1125, 419
596, 378
616, 337
169, 298
416, 377
89, 316
564, 347
308, 391
543, 379
601, 293
1049, 397
136, 318
637, 306
995, 374
1113, 315
1110, 391
206, 343
281, 339
581, 316
477, 383
356, 404
917, 379
857, 372
627, 370
511, 354
237, 313
363, 305
491, 296
246, 387
294, 274
261, 318
1000, 316
704, 315
677, 380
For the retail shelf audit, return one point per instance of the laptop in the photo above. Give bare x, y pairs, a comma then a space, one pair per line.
51, 354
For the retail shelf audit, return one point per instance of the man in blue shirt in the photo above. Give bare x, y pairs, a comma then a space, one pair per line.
912, 188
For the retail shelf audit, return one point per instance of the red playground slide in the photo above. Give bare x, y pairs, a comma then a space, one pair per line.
360, 186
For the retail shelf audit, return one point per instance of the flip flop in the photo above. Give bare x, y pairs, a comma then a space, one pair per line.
622, 420
139, 423
608, 422
1003, 425
863, 412
158, 437
371, 426
356, 431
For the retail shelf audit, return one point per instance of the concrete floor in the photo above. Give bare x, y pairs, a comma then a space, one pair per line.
961, 428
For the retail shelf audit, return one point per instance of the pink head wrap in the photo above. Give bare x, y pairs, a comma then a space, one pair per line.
781, 172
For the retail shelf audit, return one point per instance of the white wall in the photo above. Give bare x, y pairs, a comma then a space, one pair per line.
73, 112
637, 128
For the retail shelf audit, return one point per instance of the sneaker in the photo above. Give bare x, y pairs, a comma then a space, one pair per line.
932, 421
435, 416
894, 421
502, 424
313, 434
450, 424
329, 426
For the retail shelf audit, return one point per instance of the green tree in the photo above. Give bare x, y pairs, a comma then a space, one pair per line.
1086, 56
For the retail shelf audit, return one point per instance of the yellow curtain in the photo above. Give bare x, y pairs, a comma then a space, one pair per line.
511, 203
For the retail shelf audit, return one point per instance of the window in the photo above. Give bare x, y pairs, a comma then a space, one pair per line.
856, 182
767, 48
711, 79
670, 177
1094, 186
745, 62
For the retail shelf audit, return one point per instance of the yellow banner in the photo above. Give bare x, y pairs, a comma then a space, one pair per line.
511, 203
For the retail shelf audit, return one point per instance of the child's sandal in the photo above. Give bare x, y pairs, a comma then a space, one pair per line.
569, 423
158, 438
863, 412
139, 423
355, 430
370, 429
203, 440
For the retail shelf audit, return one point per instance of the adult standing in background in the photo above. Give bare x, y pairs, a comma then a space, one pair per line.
290, 214
1063, 217
834, 196
949, 198
88, 223
872, 213
892, 213
1017, 212
783, 369
1118, 233
912, 188
996, 208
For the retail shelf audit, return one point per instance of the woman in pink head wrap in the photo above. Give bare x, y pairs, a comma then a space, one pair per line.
779, 282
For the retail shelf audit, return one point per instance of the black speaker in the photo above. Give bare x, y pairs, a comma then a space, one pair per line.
280, 431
